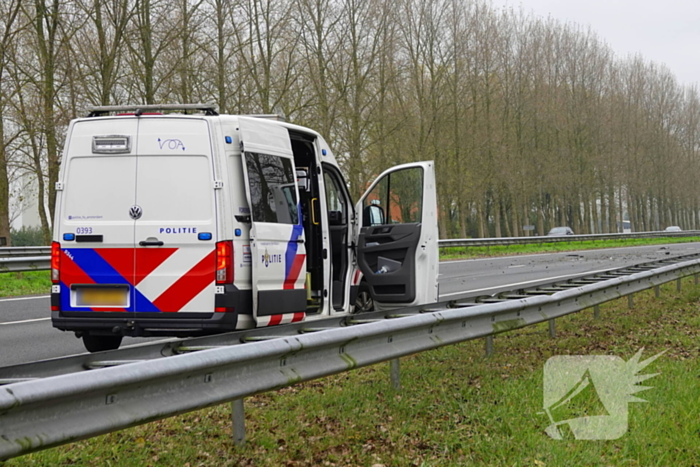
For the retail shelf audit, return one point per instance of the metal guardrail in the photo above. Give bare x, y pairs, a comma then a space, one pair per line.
25, 258
15, 251
41, 413
26, 263
467, 242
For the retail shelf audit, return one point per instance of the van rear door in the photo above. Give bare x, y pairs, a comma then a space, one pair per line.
94, 227
398, 236
176, 225
276, 234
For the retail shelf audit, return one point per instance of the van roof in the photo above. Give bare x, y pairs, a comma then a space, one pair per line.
199, 110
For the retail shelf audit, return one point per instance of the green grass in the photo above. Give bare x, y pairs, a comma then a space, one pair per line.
456, 407
24, 283
504, 250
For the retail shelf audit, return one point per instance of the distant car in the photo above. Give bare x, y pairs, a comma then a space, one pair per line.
558, 231
673, 228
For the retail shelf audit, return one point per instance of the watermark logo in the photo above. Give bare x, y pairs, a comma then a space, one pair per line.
587, 396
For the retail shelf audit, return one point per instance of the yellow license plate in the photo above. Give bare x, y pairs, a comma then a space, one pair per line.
117, 297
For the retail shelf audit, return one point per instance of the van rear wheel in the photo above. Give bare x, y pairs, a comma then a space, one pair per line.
101, 343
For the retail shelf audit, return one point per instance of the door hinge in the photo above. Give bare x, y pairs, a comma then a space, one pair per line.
59, 186
218, 184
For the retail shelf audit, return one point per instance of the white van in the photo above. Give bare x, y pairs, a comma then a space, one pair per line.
173, 220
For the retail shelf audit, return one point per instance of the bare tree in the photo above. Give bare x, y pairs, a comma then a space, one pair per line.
9, 12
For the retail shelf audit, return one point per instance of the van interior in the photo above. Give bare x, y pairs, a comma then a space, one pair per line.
338, 202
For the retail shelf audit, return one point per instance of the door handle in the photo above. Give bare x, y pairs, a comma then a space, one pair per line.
151, 243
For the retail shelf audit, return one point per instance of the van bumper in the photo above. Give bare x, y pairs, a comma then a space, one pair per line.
158, 324
184, 325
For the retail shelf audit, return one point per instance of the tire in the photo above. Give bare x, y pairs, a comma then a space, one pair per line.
101, 343
364, 302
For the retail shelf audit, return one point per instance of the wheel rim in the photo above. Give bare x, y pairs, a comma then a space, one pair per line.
364, 302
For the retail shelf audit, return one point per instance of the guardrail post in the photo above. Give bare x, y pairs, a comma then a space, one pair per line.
238, 420
630, 301
489, 346
596, 311
657, 291
678, 284
695, 278
552, 329
395, 372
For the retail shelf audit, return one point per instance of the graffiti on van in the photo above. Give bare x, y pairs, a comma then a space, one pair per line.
171, 144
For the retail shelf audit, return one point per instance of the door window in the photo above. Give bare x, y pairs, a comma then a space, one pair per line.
272, 189
396, 199
334, 200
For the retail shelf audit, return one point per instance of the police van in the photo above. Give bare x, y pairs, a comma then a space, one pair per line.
174, 220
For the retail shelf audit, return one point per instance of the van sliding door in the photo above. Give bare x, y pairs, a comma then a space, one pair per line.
277, 234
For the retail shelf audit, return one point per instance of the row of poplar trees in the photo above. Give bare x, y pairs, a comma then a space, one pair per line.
531, 122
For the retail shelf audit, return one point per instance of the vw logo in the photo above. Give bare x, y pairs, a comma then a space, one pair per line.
135, 212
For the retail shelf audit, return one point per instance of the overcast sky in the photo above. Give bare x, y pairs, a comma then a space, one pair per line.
663, 31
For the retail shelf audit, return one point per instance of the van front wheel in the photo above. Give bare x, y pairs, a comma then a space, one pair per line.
101, 343
364, 302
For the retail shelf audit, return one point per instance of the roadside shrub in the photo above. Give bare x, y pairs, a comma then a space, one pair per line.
27, 236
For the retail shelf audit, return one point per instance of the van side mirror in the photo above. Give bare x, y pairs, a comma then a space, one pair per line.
372, 215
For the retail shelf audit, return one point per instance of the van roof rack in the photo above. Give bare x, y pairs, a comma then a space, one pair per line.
138, 109
276, 117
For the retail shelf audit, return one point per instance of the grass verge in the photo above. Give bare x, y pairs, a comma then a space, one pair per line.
13, 284
505, 250
456, 407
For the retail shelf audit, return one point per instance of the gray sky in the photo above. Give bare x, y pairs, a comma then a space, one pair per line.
663, 31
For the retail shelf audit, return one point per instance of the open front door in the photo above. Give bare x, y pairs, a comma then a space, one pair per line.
276, 234
398, 236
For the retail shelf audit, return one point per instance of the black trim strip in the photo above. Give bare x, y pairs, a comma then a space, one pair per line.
89, 238
278, 302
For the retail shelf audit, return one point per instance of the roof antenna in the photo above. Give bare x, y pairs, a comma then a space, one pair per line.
139, 112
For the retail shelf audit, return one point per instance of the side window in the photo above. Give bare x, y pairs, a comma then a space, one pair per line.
395, 199
272, 189
337, 212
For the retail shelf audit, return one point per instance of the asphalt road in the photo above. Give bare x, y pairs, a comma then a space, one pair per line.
26, 333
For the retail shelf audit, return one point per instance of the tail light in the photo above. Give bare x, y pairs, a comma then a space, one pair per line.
224, 262
55, 262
